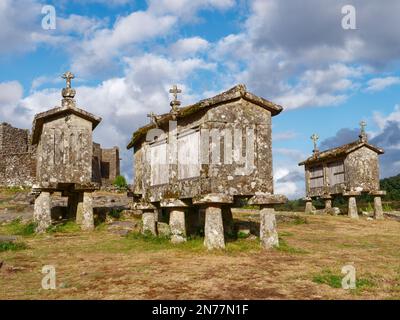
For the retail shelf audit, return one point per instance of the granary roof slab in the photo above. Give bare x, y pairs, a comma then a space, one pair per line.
235, 93
41, 118
340, 151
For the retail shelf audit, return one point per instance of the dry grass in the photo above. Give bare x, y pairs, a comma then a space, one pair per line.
100, 265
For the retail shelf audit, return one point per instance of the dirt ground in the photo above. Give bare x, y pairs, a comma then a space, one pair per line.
103, 265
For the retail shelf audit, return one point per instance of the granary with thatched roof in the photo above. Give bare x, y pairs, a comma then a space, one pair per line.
348, 170
196, 162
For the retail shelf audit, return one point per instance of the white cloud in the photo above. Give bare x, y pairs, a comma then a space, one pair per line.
285, 135
382, 120
378, 84
189, 46
97, 53
187, 9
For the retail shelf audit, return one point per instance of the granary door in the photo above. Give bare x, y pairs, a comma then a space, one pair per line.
188, 154
336, 173
158, 163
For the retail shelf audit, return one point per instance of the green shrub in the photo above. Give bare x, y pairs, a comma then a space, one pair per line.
65, 227
120, 182
116, 214
17, 227
12, 246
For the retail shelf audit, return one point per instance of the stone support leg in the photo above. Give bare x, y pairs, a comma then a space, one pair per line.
87, 209
268, 232
149, 222
378, 210
214, 227
42, 212
177, 225
328, 204
79, 208
309, 207
352, 209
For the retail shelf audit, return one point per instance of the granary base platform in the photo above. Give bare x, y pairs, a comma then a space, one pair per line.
213, 211
352, 209
80, 205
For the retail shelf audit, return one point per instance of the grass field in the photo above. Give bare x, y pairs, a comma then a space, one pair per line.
307, 265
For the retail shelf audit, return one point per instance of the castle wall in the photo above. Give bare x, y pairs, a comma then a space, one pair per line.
18, 159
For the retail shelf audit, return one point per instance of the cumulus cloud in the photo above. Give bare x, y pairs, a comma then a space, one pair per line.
189, 46
343, 136
378, 84
288, 182
387, 138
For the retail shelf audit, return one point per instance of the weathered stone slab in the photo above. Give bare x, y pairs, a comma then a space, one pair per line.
267, 198
173, 203
213, 198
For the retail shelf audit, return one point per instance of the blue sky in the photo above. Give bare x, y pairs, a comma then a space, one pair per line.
126, 54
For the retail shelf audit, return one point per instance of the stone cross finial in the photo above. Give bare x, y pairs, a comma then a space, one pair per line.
153, 118
68, 93
68, 76
315, 138
363, 134
175, 103
175, 92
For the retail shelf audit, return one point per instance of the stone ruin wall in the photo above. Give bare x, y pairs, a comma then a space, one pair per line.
18, 159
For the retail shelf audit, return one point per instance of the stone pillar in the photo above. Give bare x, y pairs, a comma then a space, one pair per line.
149, 221
87, 212
42, 211
309, 206
352, 211
378, 210
268, 232
177, 225
79, 208
328, 203
214, 227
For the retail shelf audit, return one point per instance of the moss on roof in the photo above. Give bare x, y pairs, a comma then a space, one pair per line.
232, 94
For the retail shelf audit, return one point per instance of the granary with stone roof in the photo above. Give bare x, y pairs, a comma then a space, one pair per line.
63, 138
348, 170
196, 162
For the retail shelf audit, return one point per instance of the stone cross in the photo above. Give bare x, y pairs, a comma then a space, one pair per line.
68, 76
363, 135
175, 92
363, 124
153, 118
315, 138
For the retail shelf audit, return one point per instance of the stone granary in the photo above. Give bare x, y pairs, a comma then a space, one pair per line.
348, 170
63, 136
194, 163
18, 159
